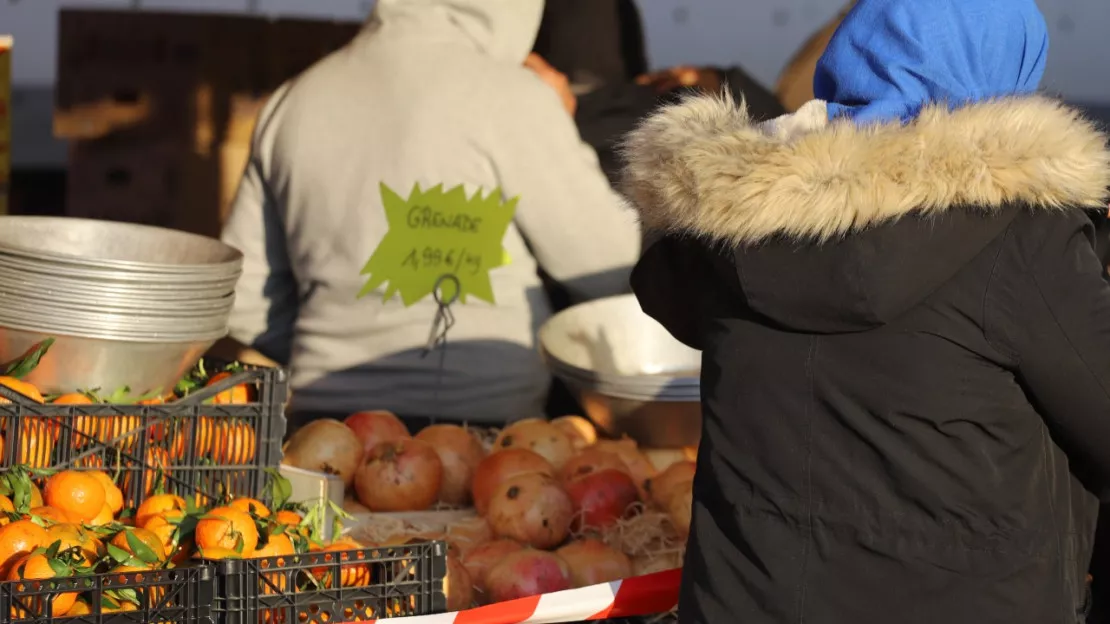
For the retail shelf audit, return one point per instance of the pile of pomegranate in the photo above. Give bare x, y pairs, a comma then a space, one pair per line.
545, 494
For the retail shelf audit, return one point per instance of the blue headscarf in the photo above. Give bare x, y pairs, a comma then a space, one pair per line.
890, 58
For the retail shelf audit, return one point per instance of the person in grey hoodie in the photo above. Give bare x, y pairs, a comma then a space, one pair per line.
431, 92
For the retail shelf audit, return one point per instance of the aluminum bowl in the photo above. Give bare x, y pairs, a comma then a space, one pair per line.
78, 324
81, 362
138, 291
16, 299
632, 377
16, 266
99, 245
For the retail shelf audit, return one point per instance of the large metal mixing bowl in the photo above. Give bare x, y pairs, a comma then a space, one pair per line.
129, 247
632, 377
85, 363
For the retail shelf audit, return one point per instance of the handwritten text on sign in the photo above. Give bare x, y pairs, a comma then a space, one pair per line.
435, 233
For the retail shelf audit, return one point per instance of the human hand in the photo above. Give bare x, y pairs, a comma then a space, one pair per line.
667, 80
555, 79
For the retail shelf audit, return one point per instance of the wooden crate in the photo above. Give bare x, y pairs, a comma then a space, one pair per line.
160, 107
141, 73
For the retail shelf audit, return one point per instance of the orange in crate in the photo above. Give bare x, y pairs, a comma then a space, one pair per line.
353, 575
36, 566
122, 432
82, 424
34, 445
236, 395
237, 443
78, 494
19, 538
156, 458
26, 389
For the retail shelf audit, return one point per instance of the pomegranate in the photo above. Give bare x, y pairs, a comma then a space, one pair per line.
650, 564
373, 428
679, 508
460, 453
662, 486
592, 562
400, 476
494, 469
539, 436
639, 466
591, 460
526, 573
326, 446
468, 534
480, 559
581, 432
532, 509
601, 499
457, 586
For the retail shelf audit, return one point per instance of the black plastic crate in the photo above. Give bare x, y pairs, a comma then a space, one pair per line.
190, 447
404, 581
176, 596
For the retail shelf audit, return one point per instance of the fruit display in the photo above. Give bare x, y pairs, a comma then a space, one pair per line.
69, 525
209, 433
557, 507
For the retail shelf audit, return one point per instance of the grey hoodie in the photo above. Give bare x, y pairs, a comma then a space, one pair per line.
432, 91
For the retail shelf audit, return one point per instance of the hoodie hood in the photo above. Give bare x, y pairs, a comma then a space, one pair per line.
812, 210
503, 29
889, 58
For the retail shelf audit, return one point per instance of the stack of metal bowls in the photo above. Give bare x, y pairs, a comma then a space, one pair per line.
631, 376
128, 305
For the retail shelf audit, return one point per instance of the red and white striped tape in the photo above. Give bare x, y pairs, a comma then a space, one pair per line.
641, 595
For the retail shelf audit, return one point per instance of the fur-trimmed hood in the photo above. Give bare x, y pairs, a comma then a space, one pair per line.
704, 168
806, 213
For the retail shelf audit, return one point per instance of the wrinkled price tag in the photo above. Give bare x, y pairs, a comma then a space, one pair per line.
435, 233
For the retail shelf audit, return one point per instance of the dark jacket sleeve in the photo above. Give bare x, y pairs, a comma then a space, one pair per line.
606, 114
1059, 326
684, 285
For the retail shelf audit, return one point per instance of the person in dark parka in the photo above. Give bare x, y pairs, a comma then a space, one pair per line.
905, 329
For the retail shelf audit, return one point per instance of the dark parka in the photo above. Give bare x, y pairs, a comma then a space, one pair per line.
906, 375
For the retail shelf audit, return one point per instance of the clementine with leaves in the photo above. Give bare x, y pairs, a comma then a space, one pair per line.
234, 396
113, 496
19, 538
141, 544
40, 565
157, 505
50, 515
251, 505
79, 494
26, 389
277, 545
227, 527
71, 536
168, 529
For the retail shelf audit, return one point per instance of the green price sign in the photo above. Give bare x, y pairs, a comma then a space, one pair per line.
437, 233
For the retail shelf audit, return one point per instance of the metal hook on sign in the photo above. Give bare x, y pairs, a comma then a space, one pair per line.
444, 319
